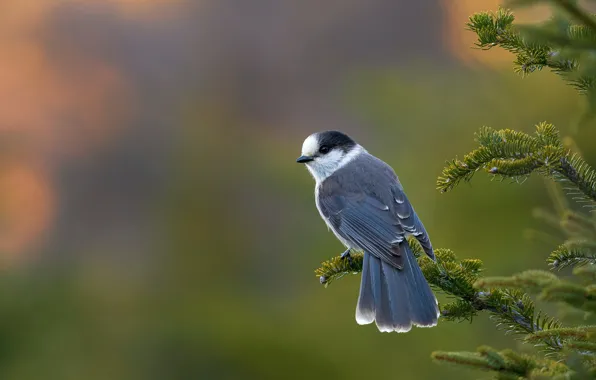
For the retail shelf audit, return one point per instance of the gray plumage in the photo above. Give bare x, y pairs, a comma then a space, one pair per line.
364, 204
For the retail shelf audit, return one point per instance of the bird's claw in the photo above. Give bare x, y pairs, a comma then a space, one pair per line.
346, 256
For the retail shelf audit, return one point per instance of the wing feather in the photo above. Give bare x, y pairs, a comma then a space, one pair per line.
409, 220
375, 220
365, 222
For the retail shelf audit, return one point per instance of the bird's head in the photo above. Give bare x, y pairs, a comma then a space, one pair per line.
325, 152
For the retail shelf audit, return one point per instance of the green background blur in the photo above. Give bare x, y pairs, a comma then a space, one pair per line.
155, 224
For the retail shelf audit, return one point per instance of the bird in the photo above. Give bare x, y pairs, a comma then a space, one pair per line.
363, 203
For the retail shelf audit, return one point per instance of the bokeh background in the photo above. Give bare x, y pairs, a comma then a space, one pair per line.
154, 224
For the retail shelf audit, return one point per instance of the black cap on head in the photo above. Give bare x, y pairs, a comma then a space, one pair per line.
335, 139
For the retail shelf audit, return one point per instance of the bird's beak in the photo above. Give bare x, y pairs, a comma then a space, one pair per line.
304, 159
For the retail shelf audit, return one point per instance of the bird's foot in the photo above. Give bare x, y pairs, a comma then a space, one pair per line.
346, 255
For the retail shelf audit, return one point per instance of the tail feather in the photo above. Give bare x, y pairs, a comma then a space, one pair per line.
365, 311
398, 298
424, 304
395, 298
383, 310
376, 281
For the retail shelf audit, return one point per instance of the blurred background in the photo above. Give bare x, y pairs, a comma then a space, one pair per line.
154, 223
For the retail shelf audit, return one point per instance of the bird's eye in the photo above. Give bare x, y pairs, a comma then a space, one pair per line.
324, 149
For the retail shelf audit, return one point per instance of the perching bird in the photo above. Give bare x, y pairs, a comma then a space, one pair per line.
364, 204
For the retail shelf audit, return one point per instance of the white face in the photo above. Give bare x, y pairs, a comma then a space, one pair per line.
325, 164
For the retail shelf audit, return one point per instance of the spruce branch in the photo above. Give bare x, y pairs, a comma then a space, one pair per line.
549, 288
567, 255
511, 309
469, 359
507, 364
578, 296
564, 44
577, 333
532, 280
515, 311
497, 29
579, 174
557, 44
337, 267
484, 359
581, 346
512, 154
459, 310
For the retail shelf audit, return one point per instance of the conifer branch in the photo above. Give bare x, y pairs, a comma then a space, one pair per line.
584, 346
575, 170
552, 44
577, 333
507, 363
576, 295
567, 49
486, 361
533, 280
337, 267
567, 255
549, 288
515, 311
496, 29
511, 309
512, 154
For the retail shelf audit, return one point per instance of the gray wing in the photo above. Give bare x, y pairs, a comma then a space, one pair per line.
373, 220
409, 219
366, 223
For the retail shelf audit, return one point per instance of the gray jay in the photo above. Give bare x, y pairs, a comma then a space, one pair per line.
364, 204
